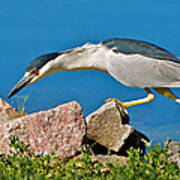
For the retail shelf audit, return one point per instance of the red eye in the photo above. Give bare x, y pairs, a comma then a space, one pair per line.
36, 71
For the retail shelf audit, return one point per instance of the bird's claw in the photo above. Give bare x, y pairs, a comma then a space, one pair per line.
122, 104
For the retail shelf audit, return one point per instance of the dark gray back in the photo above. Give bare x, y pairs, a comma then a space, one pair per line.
131, 46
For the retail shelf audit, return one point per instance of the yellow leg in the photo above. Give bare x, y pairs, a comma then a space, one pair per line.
149, 98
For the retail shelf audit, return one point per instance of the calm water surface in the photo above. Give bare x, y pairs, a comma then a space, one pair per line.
31, 28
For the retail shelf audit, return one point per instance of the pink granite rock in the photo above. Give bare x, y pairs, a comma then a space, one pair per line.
60, 129
7, 112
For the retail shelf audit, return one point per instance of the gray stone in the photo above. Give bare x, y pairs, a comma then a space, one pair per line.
111, 158
109, 127
61, 129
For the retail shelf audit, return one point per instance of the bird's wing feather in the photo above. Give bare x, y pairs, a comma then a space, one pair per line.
140, 71
131, 46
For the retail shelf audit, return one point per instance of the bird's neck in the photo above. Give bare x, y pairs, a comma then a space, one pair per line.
87, 57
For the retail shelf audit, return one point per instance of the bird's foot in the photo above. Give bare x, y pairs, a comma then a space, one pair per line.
122, 104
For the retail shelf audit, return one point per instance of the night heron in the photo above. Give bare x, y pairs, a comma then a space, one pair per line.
133, 63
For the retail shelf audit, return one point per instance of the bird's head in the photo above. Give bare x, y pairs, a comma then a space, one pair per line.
36, 70
70, 60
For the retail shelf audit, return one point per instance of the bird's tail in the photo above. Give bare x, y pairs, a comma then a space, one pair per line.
171, 71
178, 101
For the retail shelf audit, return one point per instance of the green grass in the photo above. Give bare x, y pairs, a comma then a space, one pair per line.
21, 106
21, 164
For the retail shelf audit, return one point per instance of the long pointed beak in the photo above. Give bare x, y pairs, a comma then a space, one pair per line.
22, 83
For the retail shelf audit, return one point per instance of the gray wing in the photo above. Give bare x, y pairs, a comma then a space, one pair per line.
139, 71
131, 46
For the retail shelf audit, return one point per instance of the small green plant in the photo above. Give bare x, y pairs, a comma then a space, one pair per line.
17, 147
153, 165
21, 105
21, 164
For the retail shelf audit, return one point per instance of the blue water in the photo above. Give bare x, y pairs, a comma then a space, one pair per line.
31, 28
